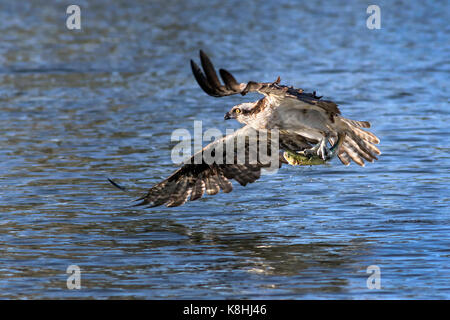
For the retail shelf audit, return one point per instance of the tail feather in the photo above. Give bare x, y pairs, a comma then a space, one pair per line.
352, 153
345, 159
358, 124
369, 146
359, 145
364, 146
342, 155
360, 149
366, 135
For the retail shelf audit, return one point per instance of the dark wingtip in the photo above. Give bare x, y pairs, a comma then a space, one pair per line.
201, 80
143, 203
209, 81
194, 66
210, 71
229, 80
116, 185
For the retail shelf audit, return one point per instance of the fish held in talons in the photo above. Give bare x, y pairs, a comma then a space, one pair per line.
317, 155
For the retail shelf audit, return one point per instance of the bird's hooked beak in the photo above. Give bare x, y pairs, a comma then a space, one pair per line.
227, 116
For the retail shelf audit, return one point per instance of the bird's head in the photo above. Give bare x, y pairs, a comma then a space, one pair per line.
243, 112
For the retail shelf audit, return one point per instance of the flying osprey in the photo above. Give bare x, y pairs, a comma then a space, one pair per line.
304, 122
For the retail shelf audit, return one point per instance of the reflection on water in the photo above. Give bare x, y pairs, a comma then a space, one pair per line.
80, 106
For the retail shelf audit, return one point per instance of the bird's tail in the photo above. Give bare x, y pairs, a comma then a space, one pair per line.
359, 144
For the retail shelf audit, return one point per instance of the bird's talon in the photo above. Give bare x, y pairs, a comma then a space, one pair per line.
318, 154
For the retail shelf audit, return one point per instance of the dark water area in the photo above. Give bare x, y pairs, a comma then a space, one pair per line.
78, 106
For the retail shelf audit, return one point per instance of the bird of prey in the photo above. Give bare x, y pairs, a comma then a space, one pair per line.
305, 124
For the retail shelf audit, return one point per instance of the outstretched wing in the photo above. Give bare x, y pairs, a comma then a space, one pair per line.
193, 179
210, 83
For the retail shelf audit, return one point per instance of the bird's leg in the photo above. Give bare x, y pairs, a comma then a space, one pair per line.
318, 154
321, 149
334, 150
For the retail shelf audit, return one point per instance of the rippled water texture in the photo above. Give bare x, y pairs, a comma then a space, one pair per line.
77, 107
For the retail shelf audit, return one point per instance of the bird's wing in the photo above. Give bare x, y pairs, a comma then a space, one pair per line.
195, 177
210, 83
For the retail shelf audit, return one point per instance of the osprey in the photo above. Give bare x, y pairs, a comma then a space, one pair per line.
305, 124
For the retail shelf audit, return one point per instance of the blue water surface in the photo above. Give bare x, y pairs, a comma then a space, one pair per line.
77, 106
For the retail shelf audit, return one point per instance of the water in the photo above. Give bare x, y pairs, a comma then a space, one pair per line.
80, 106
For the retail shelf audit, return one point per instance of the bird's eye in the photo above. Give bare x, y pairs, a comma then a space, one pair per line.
238, 111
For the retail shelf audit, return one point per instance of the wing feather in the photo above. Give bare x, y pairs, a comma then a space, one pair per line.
223, 182
212, 185
211, 75
198, 189
210, 84
191, 181
180, 193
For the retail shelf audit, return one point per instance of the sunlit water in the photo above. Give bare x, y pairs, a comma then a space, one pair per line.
77, 107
